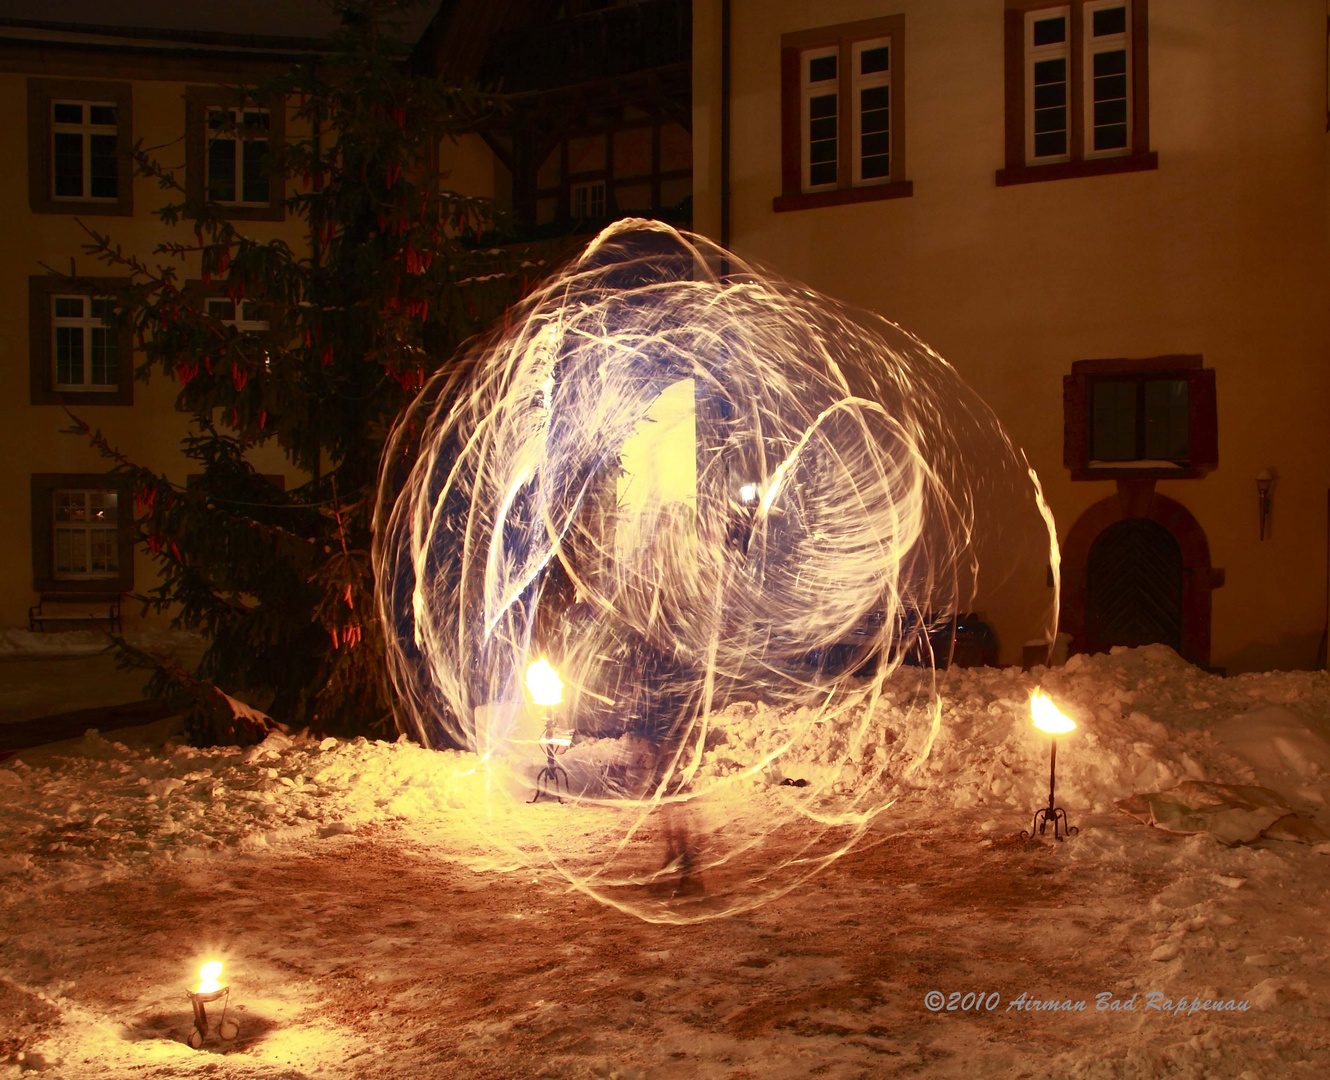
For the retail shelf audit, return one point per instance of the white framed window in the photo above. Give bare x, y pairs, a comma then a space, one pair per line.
588, 199
842, 114
237, 161
871, 82
85, 348
83, 151
1107, 67
85, 534
1048, 85
236, 313
819, 77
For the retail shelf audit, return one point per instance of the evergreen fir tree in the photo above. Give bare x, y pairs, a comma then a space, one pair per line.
391, 280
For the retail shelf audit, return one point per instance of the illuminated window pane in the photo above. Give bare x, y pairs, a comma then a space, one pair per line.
85, 541
102, 551
68, 553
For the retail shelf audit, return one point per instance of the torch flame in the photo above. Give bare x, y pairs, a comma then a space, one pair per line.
544, 683
1047, 717
208, 976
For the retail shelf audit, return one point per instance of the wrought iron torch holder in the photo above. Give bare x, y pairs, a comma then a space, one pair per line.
226, 1029
1062, 828
553, 774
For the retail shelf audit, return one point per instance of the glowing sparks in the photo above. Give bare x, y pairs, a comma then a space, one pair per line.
714, 496
209, 976
543, 683
1047, 716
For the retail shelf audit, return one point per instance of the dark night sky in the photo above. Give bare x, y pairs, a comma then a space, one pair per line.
284, 18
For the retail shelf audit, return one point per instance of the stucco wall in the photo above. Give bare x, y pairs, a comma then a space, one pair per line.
149, 431
1221, 251
469, 167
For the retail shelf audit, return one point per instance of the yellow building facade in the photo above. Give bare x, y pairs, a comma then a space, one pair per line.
1111, 217
76, 105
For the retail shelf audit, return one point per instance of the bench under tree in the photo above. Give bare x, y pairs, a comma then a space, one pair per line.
67, 610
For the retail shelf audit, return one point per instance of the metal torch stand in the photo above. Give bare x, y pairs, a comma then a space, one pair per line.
549, 778
1062, 828
198, 999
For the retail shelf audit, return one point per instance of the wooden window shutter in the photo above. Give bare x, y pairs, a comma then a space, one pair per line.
1204, 419
791, 109
1075, 422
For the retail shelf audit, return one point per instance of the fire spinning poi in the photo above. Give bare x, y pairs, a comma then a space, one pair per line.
736, 518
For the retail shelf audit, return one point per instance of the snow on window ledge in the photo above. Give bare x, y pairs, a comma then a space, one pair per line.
1144, 463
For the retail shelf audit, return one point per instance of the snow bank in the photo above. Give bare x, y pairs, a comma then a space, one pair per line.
1146, 721
106, 810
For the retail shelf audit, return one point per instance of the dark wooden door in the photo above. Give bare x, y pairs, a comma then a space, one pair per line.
1133, 586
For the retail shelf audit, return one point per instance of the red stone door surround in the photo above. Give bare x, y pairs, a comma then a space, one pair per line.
1138, 499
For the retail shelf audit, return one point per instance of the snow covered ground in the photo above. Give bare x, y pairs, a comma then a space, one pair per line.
370, 931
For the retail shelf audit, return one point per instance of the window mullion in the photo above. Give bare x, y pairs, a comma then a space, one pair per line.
845, 115
1076, 82
1140, 420
85, 136
88, 322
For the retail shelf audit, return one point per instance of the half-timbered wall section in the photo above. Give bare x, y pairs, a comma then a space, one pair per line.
596, 120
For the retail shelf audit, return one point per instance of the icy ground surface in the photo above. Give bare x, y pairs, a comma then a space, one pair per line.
367, 934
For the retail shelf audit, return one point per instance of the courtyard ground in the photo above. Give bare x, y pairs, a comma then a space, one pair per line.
366, 936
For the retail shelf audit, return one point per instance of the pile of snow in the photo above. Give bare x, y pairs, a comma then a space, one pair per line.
106, 810
1147, 721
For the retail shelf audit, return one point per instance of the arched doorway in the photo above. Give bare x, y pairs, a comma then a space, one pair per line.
1136, 568
1133, 587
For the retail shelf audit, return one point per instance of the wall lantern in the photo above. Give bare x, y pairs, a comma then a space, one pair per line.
1047, 717
210, 988
1265, 482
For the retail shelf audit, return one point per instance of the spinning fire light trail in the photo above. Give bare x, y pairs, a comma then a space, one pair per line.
734, 516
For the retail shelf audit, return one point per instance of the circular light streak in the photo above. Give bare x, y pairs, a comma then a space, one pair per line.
740, 520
